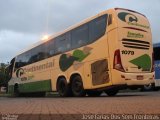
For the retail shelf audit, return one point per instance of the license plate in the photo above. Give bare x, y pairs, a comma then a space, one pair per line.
139, 77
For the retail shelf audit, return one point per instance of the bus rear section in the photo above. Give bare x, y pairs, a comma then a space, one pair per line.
133, 56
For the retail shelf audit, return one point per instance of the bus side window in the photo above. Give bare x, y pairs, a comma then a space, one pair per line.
80, 36
27, 58
63, 43
50, 48
37, 54
20, 61
68, 41
33, 57
42, 54
11, 68
97, 27
16, 64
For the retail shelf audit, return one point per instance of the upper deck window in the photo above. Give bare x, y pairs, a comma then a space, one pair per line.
97, 27
78, 37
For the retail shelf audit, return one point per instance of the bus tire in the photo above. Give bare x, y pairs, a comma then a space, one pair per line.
111, 92
16, 91
63, 88
94, 93
148, 87
77, 87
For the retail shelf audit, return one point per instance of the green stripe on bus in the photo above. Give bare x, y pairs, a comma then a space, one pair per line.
38, 86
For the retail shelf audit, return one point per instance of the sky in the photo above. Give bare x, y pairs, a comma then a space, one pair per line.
24, 22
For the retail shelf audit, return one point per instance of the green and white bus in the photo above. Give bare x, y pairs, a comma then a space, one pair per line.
107, 52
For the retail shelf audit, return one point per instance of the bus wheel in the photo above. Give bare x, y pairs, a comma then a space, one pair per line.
63, 88
94, 93
111, 92
77, 87
148, 87
16, 91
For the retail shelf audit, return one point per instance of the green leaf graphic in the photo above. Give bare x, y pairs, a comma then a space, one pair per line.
143, 61
66, 62
80, 55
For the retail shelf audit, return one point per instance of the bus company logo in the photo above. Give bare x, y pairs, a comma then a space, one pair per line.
127, 17
19, 72
131, 19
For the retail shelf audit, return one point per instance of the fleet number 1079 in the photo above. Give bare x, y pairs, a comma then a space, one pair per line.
127, 52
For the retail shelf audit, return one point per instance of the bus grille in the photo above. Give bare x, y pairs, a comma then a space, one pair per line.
137, 44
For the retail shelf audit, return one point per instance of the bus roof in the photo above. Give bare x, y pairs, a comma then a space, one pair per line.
156, 45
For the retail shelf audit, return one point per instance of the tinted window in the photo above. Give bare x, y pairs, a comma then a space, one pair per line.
50, 47
38, 53
33, 56
21, 60
63, 43
156, 53
27, 56
97, 27
80, 36
41, 52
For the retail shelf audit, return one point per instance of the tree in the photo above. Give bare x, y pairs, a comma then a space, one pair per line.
2, 79
3, 75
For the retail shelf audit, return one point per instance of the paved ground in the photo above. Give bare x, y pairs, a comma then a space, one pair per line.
51, 107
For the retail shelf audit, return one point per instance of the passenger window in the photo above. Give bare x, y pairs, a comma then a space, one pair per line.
27, 57
63, 43
50, 47
80, 36
97, 27
75, 38
21, 61
41, 52
33, 57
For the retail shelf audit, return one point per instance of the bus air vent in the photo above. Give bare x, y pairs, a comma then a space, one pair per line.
137, 44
